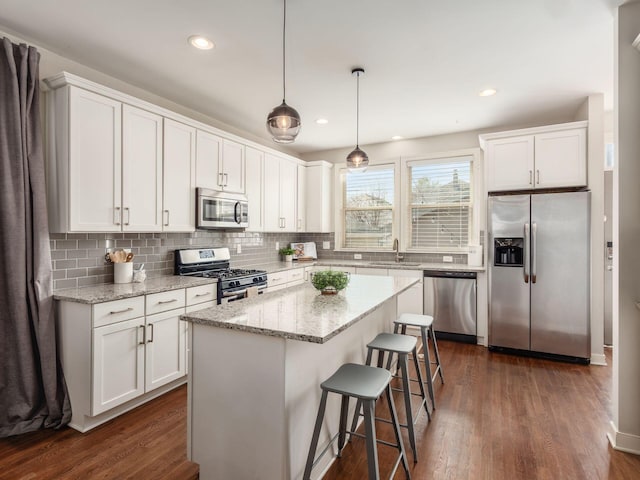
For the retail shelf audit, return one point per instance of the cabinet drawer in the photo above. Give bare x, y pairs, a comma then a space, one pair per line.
278, 278
200, 294
295, 276
117, 311
163, 301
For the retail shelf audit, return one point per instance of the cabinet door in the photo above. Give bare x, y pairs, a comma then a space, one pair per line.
411, 300
382, 272
319, 198
561, 159
288, 194
301, 199
95, 162
509, 163
254, 161
118, 364
179, 193
209, 161
232, 166
141, 170
165, 348
272, 217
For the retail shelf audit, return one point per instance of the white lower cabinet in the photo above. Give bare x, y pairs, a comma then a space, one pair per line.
119, 354
409, 301
285, 278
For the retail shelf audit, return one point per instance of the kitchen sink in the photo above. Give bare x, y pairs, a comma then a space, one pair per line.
407, 264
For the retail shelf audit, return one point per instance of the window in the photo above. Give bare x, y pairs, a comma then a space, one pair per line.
368, 201
440, 203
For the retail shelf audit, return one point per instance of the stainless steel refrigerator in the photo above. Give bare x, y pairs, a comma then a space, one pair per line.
539, 273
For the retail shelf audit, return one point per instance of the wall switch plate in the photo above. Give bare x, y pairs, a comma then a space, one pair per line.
326, 245
447, 259
277, 245
357, 256
238, 248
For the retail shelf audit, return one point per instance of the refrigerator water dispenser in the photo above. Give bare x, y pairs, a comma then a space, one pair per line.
508, 252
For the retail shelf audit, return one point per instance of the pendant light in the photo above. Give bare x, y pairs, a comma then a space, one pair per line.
283, 122
357, 160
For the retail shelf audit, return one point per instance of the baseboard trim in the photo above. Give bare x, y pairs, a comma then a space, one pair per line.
598, 359
625, 442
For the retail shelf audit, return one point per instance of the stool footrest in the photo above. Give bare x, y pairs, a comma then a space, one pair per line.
384, 442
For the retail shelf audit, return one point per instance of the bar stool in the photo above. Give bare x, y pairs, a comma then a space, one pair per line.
425, 322
401, 345
365, 384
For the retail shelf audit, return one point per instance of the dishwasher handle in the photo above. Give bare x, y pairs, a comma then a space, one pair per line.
449, 274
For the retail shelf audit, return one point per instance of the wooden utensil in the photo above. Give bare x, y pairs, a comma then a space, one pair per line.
129, 257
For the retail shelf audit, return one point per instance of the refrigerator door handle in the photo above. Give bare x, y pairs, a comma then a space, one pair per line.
534, 230
525, 264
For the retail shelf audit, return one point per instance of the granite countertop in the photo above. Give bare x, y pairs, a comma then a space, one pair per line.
116, 291
301, 312
274, 267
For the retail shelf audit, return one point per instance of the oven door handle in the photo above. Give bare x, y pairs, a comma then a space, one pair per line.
235, 293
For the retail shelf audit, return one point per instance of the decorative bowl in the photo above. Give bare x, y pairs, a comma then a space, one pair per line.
330, 282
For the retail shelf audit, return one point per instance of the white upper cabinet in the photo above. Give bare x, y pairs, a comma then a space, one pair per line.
219, 163
90, 167
301, 202
141, 170
542, 157
178, 213
319, 197
254, 162
280, 192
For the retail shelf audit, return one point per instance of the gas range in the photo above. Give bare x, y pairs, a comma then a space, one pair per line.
233, 283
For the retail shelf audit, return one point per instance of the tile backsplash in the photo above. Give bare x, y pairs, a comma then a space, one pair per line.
78, 259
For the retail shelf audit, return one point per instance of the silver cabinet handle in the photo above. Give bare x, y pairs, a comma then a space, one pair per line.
162, 302
530, 177
202, 294
537, 177
167, 222
526, 253
151, 338
115, 312
299, 224
144, 335
534, 231
226, 179
116, 215
220, 179
128, 211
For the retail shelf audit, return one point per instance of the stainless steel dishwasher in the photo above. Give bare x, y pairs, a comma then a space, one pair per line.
450, 297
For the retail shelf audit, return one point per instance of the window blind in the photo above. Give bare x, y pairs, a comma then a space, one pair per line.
368, 208
440, 203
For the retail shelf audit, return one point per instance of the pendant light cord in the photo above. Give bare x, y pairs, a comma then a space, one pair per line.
357, 109
284, 35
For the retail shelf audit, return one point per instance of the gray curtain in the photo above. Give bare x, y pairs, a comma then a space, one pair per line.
33, 393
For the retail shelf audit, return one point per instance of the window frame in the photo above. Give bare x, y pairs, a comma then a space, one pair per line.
475, 198
341, 210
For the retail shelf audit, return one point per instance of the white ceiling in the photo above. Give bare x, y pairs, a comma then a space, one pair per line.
425, 60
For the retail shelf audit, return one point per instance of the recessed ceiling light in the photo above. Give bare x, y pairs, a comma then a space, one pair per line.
397, 137
203, 43
488, 92
322, 121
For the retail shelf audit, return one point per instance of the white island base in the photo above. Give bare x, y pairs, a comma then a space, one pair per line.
253, 398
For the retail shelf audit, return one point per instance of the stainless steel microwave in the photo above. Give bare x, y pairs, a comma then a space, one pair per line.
221, 209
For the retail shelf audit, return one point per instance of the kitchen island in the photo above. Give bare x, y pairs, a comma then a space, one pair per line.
255, 371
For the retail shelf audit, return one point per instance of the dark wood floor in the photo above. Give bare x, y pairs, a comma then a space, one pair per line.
499, 417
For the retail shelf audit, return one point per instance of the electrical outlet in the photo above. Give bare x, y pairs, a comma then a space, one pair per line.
238, 248
447, 259
326, 245
357, 256
277, 245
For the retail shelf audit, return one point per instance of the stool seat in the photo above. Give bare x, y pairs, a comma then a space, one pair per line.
415, 320
359, 381
392, 342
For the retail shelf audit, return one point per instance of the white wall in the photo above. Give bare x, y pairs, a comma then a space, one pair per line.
625, 426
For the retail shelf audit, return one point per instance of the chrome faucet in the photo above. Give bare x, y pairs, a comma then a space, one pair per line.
396, 248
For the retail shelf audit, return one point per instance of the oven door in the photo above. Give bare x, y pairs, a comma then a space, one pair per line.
222, 210
233, 295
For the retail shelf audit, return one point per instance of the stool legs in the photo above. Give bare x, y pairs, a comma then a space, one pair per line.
344, 410
370, 432
316, 436
427, 363
396, 431
435, 349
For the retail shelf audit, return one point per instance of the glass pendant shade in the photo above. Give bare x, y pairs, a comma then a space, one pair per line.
357, 160
283, 123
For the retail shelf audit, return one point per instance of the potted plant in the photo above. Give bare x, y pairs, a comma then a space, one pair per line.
330, 282
287, 253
